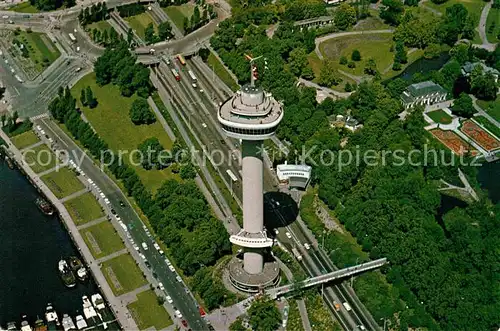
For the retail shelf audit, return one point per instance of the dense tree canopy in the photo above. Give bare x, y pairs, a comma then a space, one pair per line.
140, 113
462, 106
47, 5
264, 315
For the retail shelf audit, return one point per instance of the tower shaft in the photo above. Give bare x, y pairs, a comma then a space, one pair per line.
253, 201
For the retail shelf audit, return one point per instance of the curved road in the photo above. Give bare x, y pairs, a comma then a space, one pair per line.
482, 28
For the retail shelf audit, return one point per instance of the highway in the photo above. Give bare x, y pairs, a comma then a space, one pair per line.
182, 300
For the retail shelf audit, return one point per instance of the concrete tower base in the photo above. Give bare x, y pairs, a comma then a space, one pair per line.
253, 283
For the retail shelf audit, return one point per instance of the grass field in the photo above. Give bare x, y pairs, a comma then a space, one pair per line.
491, 107
25, 139
40, 158
440, 116
488, 125
139, 23
24, 7
127, 273
113, 112
177, 14
42, 50
221, 71
148, 313
107, 241
315, 63
84, 208
374, 46
63, 182
493, 19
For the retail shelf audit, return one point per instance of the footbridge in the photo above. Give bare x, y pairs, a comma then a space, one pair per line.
338, 274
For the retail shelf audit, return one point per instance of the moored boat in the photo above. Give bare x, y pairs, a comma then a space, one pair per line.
66, 274
25, 326
80, 322
11, 326
67, 323
44, 206
40, 325
98, 301
51, 317
82, 274
88, 309
74, 263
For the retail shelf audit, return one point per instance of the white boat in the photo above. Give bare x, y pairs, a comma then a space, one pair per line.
25, 326
88, 309
51, 315
67, 323
98, 301
81, 274
80, 322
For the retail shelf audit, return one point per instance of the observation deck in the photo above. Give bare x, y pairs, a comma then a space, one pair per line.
251, 114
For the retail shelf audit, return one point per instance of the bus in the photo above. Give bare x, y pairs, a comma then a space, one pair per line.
176, 74
72, 37
193, 78
232, 175
181, 59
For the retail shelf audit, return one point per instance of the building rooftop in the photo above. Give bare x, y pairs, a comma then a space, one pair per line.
421, 89
468, 67
251, 105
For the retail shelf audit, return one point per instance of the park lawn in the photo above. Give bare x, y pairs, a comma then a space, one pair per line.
63, 182
84, 209
316, 64
127, 274
374, 46
491, 107
495, 130
101, 26
493, 19
138, 23
177, 14
25, 139
111, 113
105, 237
148, 313
214, 63
440, 116
42, 50
40, 158
372, 22
24, 7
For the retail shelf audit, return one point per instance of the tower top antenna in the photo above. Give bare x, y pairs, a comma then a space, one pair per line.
252, 59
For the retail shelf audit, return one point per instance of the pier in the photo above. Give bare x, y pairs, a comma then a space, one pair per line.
115, 304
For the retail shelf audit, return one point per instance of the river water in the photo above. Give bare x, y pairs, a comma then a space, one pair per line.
31, 244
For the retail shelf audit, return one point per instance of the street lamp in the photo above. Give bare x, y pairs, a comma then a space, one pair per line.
352, 277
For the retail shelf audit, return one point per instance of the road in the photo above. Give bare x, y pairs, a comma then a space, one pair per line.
182, 300
482, 27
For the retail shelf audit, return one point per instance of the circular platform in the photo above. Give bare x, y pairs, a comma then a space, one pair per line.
243, 281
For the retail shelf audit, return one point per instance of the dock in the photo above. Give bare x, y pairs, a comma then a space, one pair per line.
118, 308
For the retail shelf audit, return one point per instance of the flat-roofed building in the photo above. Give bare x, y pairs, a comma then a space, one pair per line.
296, 175
468, 67
424, 94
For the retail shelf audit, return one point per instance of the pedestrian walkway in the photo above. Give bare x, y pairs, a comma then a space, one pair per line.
48, 171
32, 146
74, 195
111, 256
303, 313
122, 314
132, 295
92, 223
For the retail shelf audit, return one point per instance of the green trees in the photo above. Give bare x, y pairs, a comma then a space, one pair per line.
457, 24
356, 55
152, 154
462, 106
97, 12
345, 16
140, 113
392, 11
328, 74
149, 34
298, 61
400, 56
47, 5
165, 31
91, 101
370, 67
484, 87
187, 171
418, 29
264, 315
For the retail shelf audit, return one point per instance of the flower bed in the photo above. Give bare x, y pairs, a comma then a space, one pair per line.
483, 138
451, 140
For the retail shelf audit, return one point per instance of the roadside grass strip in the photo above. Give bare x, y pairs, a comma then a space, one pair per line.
124, 271
103, 239
84, 209
25, 139
148, 313
140, 22
40, 158
63, 182
221, 71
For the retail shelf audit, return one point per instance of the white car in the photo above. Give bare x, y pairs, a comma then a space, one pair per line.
144, 246
306, 245
179, 279
38, 127
102, 195
171, 267
169, 299
136, 247
161, 287
288, 235
178, 314
204, 125
157, 247
142, 256
167, 261
276, 231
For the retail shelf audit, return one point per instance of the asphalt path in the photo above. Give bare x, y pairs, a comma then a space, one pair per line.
177, 290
